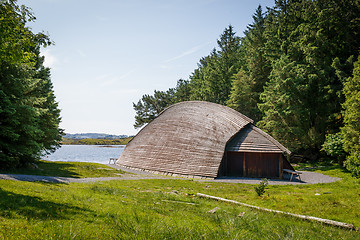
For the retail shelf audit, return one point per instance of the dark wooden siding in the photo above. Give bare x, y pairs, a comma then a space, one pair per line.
234, 164
254, 153
253, 164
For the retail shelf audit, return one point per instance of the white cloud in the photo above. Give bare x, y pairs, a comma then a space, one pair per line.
81, 53
108, 80
50, 59
187, 52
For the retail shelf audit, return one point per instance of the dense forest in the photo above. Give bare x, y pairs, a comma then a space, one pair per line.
295, 72
29, 113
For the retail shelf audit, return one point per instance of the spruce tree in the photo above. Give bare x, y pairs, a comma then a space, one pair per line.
249, 82
303, 95
212, 80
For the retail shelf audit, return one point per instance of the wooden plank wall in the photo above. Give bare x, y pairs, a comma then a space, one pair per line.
253, 164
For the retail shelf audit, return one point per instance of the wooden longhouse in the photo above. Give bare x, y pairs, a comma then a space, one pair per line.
206, 140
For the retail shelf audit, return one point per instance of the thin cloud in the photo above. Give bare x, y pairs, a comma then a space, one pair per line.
81, 53
50, 59
107, 80
188, 52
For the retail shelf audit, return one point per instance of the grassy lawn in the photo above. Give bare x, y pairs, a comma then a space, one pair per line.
168, 209
68, 169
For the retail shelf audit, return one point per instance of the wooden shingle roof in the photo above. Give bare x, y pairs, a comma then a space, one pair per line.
253, 139
187, 138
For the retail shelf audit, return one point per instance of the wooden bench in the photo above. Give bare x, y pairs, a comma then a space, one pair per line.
112, 160
292, 173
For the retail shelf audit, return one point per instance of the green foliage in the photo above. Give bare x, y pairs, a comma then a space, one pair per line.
150, 106
351, 129
67, 169
28, 111
242, 97
148, 209
283, 116
287, 73
302, 100
212, 80
249, 82
96, 141
334, 146
260, 189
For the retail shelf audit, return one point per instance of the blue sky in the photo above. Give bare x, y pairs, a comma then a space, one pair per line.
109, 53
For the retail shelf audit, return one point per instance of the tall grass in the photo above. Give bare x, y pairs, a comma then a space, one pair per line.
168, 209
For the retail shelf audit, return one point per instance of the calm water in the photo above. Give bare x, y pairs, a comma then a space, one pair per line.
85, 153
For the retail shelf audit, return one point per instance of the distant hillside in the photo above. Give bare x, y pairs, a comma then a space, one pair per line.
96, 141
93, 136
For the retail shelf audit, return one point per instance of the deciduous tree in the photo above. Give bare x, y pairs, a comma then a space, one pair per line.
351, 129
29, 117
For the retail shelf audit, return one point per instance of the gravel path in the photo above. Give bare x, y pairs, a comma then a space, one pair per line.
306, 177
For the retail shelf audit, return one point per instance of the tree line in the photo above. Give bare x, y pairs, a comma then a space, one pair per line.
295, 72
29, 113
96, 141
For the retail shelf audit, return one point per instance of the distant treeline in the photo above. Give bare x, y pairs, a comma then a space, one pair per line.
96, 141
93, 135
294, 73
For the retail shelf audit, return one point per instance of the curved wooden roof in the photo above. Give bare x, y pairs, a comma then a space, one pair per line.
187, 138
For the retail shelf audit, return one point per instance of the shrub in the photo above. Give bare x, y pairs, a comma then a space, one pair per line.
334, 147
260, 189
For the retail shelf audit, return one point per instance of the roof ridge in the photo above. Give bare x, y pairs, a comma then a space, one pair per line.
210, 103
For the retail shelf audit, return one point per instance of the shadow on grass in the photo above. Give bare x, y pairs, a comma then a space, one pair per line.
45, 168
323, 165
12, 205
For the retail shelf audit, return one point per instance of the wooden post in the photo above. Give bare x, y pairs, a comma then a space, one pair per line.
281, 166
244, 165
225, 165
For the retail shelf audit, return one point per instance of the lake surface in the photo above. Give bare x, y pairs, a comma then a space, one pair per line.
86, 153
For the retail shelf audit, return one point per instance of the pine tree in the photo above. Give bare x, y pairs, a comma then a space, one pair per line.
212, 80
203, 79
248, 83
243, 98
304, 46
150, 106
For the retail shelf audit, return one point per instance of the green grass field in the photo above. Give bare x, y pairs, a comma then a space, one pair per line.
169, 209
68, 169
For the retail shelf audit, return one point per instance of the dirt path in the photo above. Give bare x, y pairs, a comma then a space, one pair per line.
306, 177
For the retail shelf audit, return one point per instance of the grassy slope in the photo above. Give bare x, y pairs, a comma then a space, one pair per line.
338, 201
68, 169
147, 209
